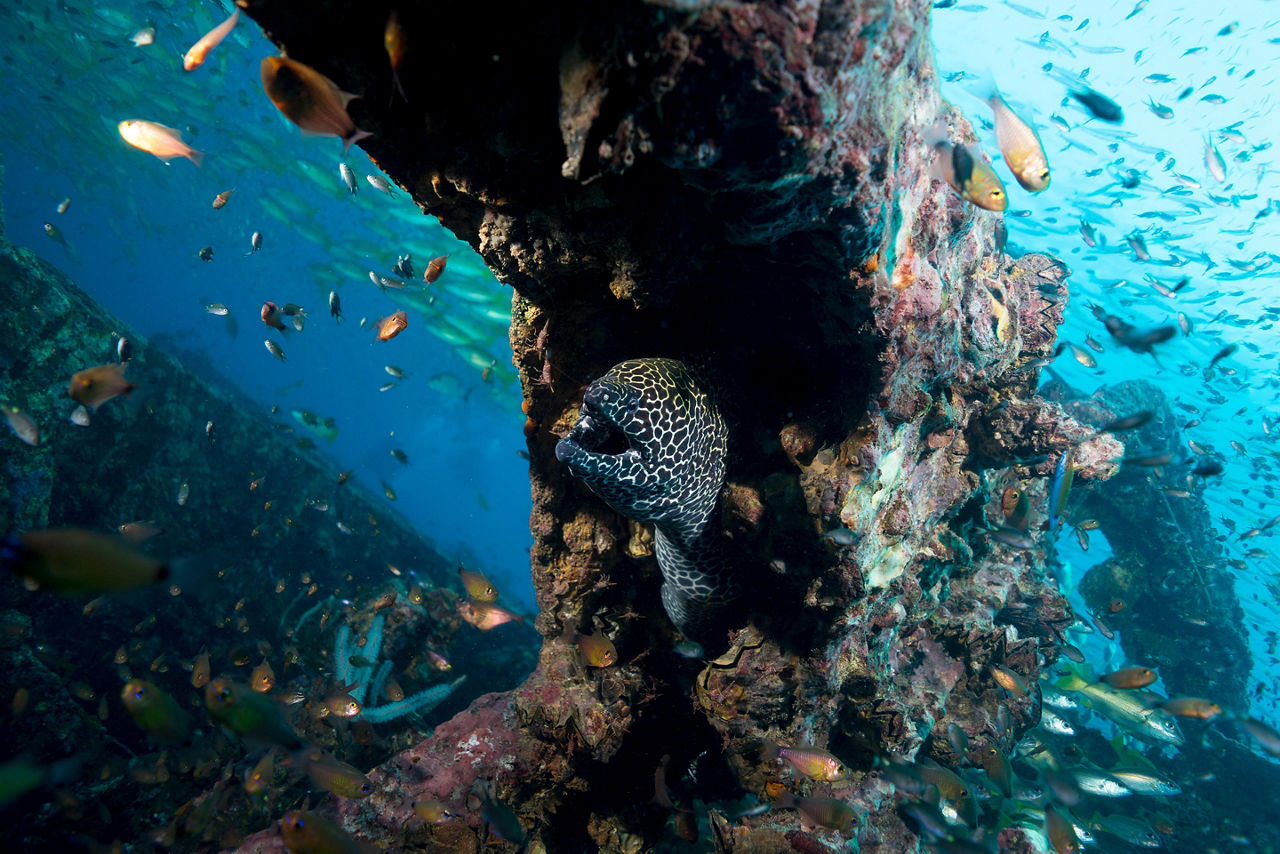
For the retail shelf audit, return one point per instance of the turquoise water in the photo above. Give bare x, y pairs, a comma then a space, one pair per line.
1224, 236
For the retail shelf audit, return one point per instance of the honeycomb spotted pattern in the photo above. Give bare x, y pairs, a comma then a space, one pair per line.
670, 474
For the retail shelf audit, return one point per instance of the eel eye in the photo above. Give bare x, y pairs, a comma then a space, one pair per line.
633, 404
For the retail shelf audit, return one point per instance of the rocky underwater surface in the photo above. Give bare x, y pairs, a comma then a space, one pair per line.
743, 188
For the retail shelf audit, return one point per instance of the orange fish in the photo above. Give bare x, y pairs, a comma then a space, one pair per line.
813, 762
1130, 678
1008, 680
271, 316
1015, 507
480, 588
199, 51
485, 616
435, 269
154, 138
394, 40
598, 650
392, 325
309, 99
200, 670
95, 386
1192, 707
222, 198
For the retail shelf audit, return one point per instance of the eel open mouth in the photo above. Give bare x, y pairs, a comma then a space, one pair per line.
595, 432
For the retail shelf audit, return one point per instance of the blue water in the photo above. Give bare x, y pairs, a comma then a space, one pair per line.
137, 224
1213, 234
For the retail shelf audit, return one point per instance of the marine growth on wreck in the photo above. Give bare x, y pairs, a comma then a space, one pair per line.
898, 389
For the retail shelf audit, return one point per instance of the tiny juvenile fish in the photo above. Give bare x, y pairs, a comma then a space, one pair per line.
335, 306
220, 200
309, 99
199, 52
255, 243
217, 309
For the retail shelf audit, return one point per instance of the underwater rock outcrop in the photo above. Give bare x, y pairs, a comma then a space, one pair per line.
742, 187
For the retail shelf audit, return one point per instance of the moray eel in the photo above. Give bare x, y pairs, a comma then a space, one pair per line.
669, 474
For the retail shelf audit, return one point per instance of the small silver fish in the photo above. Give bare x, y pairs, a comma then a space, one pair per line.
184, 492
1213, 162
348, 178
255, 243
398, 373
379, 183
386, 386
79, 416
217, 309
274, 349
335, 306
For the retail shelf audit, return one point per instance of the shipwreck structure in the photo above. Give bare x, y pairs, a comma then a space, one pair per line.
741, 187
